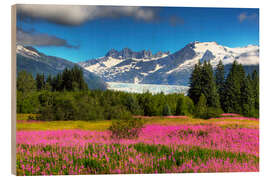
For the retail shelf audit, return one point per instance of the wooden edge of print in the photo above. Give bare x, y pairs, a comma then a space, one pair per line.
13, 89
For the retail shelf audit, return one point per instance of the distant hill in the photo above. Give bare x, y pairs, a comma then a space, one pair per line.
31, 60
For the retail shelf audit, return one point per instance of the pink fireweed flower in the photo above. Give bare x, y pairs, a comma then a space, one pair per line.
207, 136
90, 152
230, 114
176, 117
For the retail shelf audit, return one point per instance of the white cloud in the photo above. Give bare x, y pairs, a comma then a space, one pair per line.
244, 16
76, 14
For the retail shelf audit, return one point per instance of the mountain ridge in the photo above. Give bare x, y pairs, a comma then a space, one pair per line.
175, 68
33, 61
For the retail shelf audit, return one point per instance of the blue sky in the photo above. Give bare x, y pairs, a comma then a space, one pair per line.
80, 33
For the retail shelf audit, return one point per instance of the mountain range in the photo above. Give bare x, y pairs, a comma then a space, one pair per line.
144, 67
33, 61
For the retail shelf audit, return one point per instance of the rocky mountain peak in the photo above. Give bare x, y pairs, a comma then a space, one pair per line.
112, 53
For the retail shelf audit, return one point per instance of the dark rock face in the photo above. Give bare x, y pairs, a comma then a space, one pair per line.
208, 56
127, 53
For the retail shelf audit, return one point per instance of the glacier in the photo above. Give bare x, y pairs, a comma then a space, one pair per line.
152, 88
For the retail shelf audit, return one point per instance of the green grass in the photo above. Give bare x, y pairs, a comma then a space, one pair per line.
195, 153
26, 117
158, 158
226, 123
58, 125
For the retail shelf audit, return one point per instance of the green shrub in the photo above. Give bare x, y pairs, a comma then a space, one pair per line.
126, 129
201, 108
184, 106
116, 112
213, 112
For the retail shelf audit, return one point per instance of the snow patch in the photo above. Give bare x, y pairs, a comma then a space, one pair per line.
156, 68
136, 80
23, 50
111, 62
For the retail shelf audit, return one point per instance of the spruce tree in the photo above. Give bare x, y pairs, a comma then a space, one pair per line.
69, 80
209, 86
247, 98
255, 87
220, 81
195, 87
49, 83
40, 81
202, 80
232, 91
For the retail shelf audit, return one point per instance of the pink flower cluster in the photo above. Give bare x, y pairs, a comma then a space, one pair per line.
206, 136
230, 114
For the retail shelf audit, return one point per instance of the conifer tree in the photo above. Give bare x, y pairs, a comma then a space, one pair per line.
232, 92
255, 87
195, 88
147, 104
69, 80
132, 104
209, 85
220, 75
26, 85
25, 82
40, 81
220, 81
247, 98
181, 107
202, 81
48, 83
166, 110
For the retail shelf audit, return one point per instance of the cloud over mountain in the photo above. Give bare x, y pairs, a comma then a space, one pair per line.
33, 38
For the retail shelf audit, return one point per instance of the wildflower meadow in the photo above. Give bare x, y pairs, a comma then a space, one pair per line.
159, 148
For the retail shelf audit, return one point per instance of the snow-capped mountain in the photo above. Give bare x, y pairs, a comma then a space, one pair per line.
164, 68
114, 63
33, 61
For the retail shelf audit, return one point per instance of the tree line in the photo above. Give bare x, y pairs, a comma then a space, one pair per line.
69, 80
66, 97
213, 91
